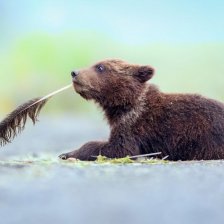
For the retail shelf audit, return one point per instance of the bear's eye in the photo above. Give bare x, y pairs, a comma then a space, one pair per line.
100, 68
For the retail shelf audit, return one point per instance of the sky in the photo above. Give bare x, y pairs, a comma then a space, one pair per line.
134, 22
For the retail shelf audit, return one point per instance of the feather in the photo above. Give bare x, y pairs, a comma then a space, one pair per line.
15, 122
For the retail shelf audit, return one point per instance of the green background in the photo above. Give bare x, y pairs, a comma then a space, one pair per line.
42, 41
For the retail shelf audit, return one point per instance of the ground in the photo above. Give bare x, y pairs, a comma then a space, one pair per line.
36, 187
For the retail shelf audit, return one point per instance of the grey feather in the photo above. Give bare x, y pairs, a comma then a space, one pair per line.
15, 122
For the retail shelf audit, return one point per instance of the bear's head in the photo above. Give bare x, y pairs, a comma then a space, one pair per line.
112, 82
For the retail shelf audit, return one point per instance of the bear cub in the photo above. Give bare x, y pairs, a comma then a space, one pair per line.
145, 120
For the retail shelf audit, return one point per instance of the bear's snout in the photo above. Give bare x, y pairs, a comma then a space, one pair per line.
74, 74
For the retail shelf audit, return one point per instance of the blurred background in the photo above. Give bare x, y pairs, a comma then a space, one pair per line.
42, 41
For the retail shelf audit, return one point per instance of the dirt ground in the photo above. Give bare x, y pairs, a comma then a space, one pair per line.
36, 187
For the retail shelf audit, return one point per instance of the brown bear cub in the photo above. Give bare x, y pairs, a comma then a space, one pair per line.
145, 120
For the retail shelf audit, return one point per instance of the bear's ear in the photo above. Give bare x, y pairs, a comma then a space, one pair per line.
144, 73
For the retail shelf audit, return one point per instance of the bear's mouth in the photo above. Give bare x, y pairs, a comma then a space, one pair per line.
79, 86
81, 90
76, 82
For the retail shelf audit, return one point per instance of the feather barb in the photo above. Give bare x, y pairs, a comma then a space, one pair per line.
15, 122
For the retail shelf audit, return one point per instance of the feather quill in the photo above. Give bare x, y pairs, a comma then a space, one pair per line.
15, 122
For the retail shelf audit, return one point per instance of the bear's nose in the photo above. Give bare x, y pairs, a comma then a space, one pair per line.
74, 74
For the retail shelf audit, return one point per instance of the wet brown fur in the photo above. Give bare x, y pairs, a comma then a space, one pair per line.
144, 120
